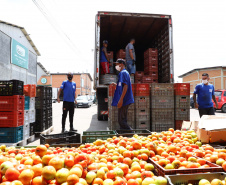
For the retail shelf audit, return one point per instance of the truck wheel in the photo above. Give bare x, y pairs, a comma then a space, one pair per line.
223, 109
100, 118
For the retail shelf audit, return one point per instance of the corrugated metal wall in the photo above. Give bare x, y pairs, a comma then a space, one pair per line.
10, 71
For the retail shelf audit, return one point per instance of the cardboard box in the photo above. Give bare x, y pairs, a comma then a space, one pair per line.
194, 125
186, 125
212, 129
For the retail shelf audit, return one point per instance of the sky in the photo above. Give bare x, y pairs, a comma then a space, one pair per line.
65, 37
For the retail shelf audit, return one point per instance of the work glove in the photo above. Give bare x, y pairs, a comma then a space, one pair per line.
133, 62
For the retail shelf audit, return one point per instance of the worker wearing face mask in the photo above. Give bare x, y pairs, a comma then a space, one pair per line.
123, 95
205, 92
69, 89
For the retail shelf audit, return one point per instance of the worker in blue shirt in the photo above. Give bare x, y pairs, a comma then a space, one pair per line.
205, 92
69, 89
123, 95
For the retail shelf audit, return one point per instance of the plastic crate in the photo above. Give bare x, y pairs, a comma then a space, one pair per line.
182, 102
121, 54
39, 125
182, 89
40, 103
164, 102
110, 54
151, 52
182, 114
27, 103
30, 90
142, 102
131, 115
40, 114
193, 178
162, 114
143, 124
11, 103
130, 133
32, 103
143, 114
26, 131
12, 87
178, 124
69, 137
12, 119
41, 91
159, 126
32, 129
91, 136
11, 135
49, 93
142, 90
160, 171
162, 89
31, 114
26, 117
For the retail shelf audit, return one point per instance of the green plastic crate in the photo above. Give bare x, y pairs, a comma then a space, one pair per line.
91, 136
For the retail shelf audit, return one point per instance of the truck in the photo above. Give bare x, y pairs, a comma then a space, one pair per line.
149, 31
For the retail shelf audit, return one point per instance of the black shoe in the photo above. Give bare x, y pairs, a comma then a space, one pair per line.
63, 130
72, 130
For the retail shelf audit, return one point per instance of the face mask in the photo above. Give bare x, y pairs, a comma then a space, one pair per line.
118, 68
69, 77
204, 81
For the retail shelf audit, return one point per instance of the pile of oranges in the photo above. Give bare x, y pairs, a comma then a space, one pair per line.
115, 161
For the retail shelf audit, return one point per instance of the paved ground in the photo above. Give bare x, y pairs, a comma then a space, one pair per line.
86, 119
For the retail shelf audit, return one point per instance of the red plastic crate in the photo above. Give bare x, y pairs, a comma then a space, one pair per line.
30, 90
12, 103
150, 52
111, 90
121, 54
110, 54
12, 119
139, 74
138, 81
160, 171
182, 88
142, 90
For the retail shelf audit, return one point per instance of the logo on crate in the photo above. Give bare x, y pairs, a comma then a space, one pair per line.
163, 101
3, 117
3, 102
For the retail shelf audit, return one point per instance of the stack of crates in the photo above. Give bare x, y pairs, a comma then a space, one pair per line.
40, 106
182, 103
142, 106
111, 57
162, 107
49, 113
113, 111
121, 54
29, 113
139, 76
150, 66
11, 111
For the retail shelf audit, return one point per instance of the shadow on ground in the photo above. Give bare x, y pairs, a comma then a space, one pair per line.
96, 125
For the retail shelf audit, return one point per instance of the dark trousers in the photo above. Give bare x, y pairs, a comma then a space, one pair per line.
68, 106
207, 111
122, 118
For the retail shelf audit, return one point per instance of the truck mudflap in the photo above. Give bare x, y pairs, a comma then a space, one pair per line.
103, 112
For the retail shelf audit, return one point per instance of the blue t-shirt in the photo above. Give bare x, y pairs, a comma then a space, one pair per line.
123, 78
69, 89
102, 55
205, 93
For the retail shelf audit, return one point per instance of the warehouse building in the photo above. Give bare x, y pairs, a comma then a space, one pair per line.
217, 77
83, 82
18, 54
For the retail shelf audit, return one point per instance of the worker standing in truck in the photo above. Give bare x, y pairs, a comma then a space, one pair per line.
123, 95
131, 57
69, 89
205, 92
104, 59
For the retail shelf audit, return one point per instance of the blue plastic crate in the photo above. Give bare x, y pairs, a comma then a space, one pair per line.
27, 103
11, 135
